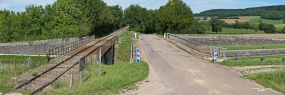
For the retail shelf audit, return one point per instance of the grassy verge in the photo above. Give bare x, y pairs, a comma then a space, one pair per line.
115, 78
274, 80
159, 35
7, 68
235, 31
245, 47
249, 61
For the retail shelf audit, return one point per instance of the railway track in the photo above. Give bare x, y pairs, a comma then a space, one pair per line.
46, 78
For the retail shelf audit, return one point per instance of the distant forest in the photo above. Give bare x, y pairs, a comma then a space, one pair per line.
266, 12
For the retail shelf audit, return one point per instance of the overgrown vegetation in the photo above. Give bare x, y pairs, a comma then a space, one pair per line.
274, 80
7, 68
249, 61
245, 47
63, 19
115, 77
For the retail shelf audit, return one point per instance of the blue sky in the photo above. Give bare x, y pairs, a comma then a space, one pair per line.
196, 5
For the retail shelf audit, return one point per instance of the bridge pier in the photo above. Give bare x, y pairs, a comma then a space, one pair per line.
108, 57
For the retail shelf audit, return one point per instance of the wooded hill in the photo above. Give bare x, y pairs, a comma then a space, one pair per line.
267, 12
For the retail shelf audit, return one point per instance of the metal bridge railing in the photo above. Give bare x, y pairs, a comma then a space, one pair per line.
208, 51
60, 50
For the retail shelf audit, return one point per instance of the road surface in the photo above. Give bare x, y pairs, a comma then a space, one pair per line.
179, 73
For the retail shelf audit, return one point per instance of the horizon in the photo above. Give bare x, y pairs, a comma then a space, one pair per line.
196, 6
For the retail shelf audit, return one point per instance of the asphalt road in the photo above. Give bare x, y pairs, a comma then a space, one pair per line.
183, 74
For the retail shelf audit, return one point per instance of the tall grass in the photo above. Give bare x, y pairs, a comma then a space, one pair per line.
7, 68
274, 80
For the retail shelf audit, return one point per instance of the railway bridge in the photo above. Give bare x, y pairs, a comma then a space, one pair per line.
69, 55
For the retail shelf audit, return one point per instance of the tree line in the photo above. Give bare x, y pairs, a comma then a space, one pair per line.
174, 17
217, 25
276, 12
63, 19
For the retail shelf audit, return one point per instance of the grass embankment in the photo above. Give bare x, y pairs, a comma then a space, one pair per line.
121, 75
235, 31
245, 47
274, 80
249, 61
7, 68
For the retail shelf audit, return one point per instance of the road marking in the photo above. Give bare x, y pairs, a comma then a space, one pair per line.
259, 89
191, 72
163, 51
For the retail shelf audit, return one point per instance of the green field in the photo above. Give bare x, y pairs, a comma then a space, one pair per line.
274, 22
116, 78
235, 31
245, 47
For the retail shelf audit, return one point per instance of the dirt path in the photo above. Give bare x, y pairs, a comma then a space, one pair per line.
175, 72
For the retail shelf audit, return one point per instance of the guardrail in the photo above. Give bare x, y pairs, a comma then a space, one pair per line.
207, 51
69, 47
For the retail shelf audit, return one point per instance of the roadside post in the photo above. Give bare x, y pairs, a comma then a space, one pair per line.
138, 55
100, 62
164, 35
215, 55
81, 67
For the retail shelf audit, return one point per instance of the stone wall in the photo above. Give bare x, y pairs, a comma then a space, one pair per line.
218, 40
224, 40
33, 47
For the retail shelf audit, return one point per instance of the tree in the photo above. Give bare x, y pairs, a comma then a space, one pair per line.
133, 18
195, 28
262, 26
246, 25
284, 21
217, 25
283, 30
176, 15
270, 28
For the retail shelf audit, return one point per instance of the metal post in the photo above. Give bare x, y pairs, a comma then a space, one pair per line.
15, 68
80, 76
100, 62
